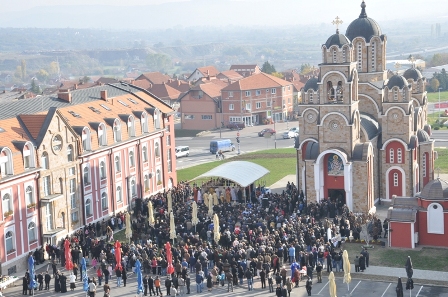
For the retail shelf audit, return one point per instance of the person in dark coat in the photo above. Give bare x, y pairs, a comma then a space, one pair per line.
57, 284
209, 282
151, 286
168, 285
63, 282
362, 263
40, 280
278, 291
24, 285
124, 277
399, 288
329, 263
263, 278
47, 279
309, 286
145, 285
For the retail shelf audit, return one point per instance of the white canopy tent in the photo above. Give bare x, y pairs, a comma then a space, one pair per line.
240, 172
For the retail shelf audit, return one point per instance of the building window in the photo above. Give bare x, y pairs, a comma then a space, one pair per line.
395, 179
47, 186
424, 165
359, 56
168, 140
102, 170
230, 94
334, 56
403, 94
28, 157
144, 123
168, 160
157, 118
29, 195
146, 182
248, 106
188, 117
48, 217
258, 92
133, 188
145, 154
131, 159
57, 143
268, 103
9, 240
102, 135
119, 194
273, 91
391, 156
206, 117
231, 106
32, 232
373, 48
344, 54
7, 204
88, 208
104, 204
131, 127
74, 216
117, 131
70, 153
157, 149
234, 119
44, 160
86, 145
117, 164
159, 177
435, 219
258, 105
395, 94
247, 93
399, 155
72, 189
86, 175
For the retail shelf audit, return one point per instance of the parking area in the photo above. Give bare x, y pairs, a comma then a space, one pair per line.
366, 288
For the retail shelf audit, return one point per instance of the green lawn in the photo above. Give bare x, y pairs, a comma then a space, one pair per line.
280, 162
434, 97
433, 120
442, 160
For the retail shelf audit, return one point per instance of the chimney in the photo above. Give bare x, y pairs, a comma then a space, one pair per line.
75, 86
104, 95
208, 72
65, 95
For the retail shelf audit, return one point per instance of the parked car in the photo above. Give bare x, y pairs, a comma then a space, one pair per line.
293, 132
182, 151
266, 130
236, 125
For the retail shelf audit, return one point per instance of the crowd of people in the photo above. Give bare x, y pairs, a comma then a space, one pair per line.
279, 239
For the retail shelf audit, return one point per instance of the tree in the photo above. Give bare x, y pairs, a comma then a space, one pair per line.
277, 74
158, 62
34, 87
435, 84
23, 68
84, 80
305, 68
42, 75
54, 68
268, 68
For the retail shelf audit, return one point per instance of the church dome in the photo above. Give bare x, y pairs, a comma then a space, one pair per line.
423, 136
413, 73
311, 84
397, 81
363, 26
435, 190
337, 39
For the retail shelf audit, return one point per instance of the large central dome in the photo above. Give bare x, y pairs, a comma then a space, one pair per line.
363, 26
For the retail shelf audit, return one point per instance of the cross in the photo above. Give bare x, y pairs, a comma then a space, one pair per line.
412, 60
397, 66
337, 21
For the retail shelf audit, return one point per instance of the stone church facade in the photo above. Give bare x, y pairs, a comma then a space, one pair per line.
364, 134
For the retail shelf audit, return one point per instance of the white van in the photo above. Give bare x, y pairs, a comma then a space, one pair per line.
182, 151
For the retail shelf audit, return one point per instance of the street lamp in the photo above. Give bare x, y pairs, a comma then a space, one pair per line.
439, 104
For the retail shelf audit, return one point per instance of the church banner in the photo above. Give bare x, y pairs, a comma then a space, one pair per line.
335, 165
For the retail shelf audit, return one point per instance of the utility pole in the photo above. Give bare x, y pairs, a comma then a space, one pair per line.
439, 104
238, 140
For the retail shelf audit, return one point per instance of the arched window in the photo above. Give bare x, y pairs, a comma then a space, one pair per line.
145, 154
44, 161
334, 56
102, 170
330, 91
395, 94
86, 175
117, 164
157, 119
399, 156
157, 149
119, 194
102, 135
344, 54
395, 179
435, 219
146, 182
403, 94
131, 126
359, 56
159, 176
7, 204
104, 201
144, 123
133, 188
32, 232
339, 92
86, 140
310, 96
373, 49
70, 153
424, 164
29, 195
9, 240
391, 156
168, 161
117, 131
131, 159
28, 156
88, 208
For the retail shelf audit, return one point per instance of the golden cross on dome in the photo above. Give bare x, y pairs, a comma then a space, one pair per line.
337, 21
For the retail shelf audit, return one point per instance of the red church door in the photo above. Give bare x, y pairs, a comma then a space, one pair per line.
395, 187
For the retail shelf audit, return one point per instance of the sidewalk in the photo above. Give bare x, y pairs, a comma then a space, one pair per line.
397, 272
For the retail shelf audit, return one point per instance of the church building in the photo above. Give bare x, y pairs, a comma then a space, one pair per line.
363, 130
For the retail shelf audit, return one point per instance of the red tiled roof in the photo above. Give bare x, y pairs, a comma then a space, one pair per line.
230, 74
154, 77
211, 89
208, 71
33, 123
257, 81
143, 83
164, 91
180, 85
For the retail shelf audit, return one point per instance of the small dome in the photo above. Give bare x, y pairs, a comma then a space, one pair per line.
311, 84
397, 81
435, 190
363, 26
423, 136
337, 39
413, 73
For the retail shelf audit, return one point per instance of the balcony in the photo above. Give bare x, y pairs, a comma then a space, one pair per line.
51, 198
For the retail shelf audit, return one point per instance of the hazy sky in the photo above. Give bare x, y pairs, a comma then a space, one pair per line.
219, 12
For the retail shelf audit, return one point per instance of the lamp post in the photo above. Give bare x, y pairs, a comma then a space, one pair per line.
439, 104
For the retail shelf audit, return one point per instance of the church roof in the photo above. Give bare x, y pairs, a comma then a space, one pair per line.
435, 190
311, 84
370, 125
337, 39
363, 26
423, 136
360, 152
312, 151
401, 215
397, 81
413, 73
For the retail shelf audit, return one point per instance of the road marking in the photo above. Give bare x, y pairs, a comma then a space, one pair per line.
355, 287
322, 288
419, 291
386, 289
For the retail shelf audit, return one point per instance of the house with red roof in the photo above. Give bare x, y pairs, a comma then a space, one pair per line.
207, 71
229, 76
154, 78
246, 70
